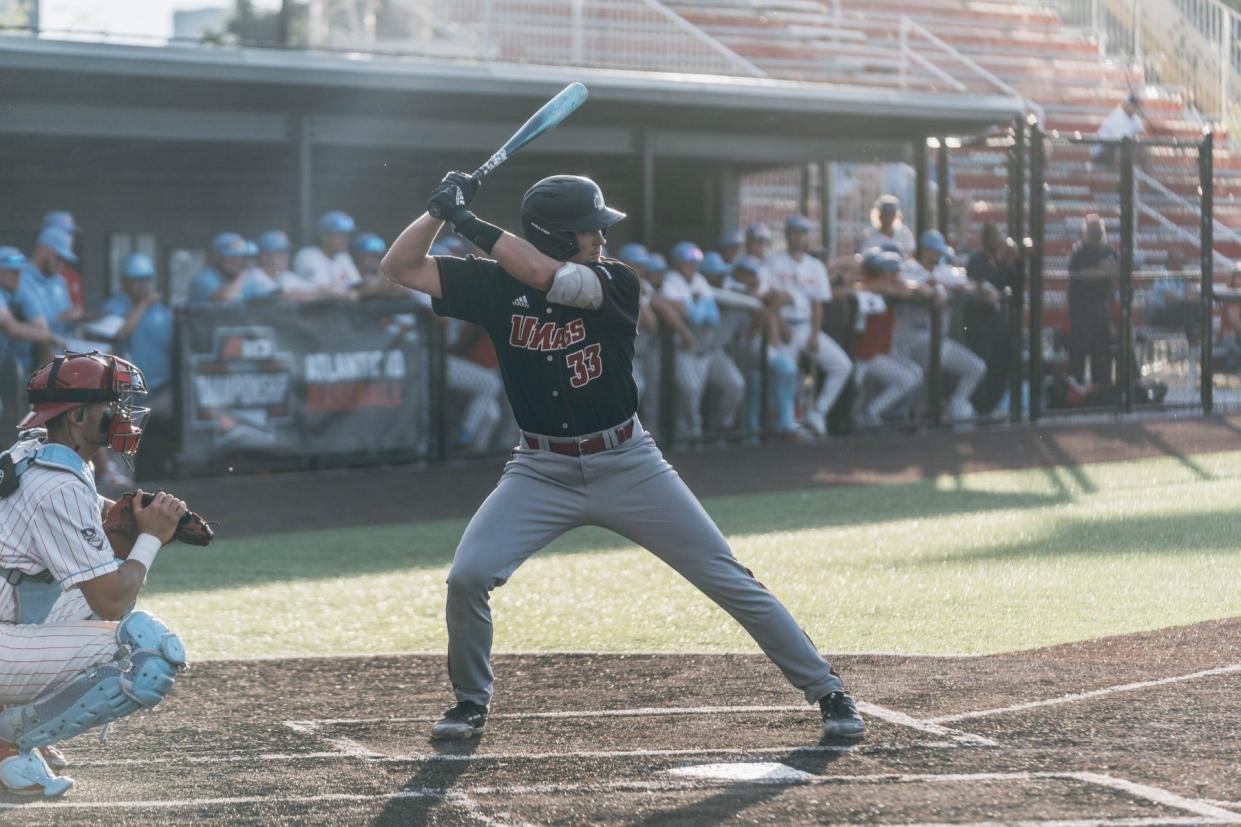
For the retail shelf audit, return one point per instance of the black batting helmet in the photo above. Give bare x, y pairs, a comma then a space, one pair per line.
557, 207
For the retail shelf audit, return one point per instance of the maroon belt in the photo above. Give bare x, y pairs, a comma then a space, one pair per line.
586, 445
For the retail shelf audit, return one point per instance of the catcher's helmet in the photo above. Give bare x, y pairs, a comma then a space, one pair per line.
75, 379
557, 207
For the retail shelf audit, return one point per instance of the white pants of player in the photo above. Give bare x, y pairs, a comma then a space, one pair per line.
633, 491
699, 374
35, 658
484, 387
828, 356
883, 382
962, 367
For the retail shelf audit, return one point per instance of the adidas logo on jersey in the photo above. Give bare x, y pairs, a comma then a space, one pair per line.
521, 301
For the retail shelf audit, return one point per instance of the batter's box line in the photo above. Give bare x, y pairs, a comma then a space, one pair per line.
1200, 812
1073, 697
892, 716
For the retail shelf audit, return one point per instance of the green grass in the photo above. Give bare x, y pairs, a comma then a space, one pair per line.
978, 563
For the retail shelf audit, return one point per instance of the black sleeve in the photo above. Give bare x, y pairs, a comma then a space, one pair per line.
620, 293
471, 289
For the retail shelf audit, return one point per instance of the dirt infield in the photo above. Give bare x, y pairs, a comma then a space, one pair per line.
1135, 730
304, 501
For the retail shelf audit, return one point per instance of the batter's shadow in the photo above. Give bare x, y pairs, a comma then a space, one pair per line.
438, 776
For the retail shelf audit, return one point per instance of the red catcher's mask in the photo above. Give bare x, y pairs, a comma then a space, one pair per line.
76, 379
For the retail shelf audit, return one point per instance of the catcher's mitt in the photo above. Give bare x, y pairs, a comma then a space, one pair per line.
122, 529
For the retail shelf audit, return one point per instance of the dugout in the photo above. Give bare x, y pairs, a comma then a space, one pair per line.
157, 148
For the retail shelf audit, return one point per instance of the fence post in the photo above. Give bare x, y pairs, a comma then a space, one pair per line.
1206, 183
935, 382
764, 386
942, 180
1035, 269
437, 394
922, 200
1124, 357
667, 384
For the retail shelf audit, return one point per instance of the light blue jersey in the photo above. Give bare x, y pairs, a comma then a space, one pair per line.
150, 345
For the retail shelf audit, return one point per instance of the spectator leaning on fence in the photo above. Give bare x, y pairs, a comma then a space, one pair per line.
73, 280
325, 266
758, 244
887, 225
732, 246
962, 368
21, 313
647, 343
886, 381
145, 333
54, 246
1125, 121
226, 279
1093, 268
766, 336
273, 257
367, 249
993, 270
804, 278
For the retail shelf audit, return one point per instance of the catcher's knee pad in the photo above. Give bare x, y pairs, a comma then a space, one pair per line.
140, 677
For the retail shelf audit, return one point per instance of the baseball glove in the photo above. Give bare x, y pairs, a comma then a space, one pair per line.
122, 529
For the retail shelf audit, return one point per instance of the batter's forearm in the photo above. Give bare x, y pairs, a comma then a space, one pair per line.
407, 262
525, 262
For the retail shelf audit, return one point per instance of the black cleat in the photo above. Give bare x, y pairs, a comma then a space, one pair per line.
465, 720
840, 716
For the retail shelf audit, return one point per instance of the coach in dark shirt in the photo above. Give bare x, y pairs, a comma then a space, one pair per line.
985, 327
1093, 267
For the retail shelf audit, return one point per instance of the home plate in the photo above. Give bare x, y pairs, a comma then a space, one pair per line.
769, 772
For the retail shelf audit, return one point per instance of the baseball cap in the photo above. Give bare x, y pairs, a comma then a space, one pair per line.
368, 243
887, 262
888, 203
59, 242
713, 264
934, 240
656, 263
252, 249
138, 266
11, 258
798, 224
273, 241
228, 244
685, 252
60, 218
633, 254
335, 221
748, 263
732, 238
758, 230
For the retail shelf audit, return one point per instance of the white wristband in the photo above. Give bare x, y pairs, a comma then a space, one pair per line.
145, 548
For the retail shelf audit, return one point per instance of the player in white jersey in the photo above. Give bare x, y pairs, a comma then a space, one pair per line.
74, 653
804, 278
325, 269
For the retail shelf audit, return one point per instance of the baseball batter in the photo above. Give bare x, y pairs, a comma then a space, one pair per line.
65, 673
563, 320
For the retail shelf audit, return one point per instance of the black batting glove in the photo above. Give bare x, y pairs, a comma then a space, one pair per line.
455, 192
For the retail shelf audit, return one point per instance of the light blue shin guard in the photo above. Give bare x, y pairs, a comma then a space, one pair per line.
140, 677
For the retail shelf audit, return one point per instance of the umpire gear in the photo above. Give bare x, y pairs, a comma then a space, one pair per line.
556, 208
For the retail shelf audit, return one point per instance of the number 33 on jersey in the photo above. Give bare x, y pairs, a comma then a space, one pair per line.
567, 371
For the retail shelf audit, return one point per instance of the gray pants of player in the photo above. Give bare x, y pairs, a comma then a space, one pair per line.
884, 381
962, 367
698, 374
633, 491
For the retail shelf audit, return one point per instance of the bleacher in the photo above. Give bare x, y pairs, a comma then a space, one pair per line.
1025, 45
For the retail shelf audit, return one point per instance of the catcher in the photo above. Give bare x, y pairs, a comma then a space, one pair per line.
73, 653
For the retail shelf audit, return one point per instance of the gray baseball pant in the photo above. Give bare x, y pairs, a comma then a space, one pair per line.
697, 373
632, 490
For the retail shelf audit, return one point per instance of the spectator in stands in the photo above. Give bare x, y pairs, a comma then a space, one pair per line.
22, 322
54, 247
962, 368
994, 271
888, 226
73, 280
273, 257
325, 266
758, 242
225, 279
766, 338
367, 249
731, 246
1093, 265
804, 279
703, 368
1226, 352
1125, 121
886, 382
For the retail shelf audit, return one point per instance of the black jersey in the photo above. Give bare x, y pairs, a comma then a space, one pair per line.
567, 371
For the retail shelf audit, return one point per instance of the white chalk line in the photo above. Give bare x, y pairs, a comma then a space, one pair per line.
892, 716
1080, 696
359, 752
1207, 813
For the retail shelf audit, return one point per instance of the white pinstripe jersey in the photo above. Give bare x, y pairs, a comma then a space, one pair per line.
53, 522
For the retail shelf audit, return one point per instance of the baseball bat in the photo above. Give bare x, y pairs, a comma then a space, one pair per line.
550, 114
